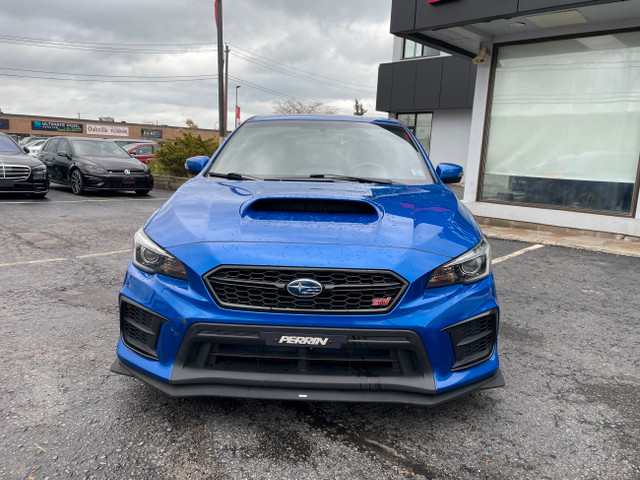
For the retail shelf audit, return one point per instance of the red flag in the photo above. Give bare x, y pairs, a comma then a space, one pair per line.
238, 114
215, 7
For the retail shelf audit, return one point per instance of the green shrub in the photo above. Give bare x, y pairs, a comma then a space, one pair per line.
170, 158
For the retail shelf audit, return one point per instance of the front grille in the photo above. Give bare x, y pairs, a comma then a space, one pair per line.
364, 359
14, 172
344, 291
139, 328
473, 339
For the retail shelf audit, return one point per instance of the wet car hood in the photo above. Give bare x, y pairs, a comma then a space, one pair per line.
19, 159
428, 218
112, 163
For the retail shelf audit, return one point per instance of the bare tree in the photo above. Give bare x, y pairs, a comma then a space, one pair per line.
191, 124
293, 106
359, 109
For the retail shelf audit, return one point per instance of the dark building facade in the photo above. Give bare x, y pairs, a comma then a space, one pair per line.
545, 94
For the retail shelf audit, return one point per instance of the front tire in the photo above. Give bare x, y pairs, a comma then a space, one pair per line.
77, 183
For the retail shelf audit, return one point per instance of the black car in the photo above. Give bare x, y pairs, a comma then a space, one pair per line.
19, 172
94, 164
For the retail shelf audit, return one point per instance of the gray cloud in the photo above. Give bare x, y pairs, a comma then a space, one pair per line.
340, 43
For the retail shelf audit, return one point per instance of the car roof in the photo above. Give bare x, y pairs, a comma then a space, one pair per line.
134, 145
327, 118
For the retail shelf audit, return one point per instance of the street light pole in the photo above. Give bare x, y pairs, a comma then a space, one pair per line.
226, 85
222, 129
236, 112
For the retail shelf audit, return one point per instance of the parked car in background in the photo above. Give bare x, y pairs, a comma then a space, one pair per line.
313, 258
35, 146
19, 172
121, 142
94, 164
145, 152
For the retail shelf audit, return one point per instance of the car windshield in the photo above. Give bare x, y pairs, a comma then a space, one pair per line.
8, 145
289, 149
98, 148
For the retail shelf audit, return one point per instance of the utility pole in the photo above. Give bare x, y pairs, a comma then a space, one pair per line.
226, 84
236, 112
221, 115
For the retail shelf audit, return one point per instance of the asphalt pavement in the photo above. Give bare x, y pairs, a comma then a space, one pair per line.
569, 346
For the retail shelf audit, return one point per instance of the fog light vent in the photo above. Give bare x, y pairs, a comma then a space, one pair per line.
140, 328
473, 339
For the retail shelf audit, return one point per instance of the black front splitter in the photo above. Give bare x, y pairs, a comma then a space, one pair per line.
313, 394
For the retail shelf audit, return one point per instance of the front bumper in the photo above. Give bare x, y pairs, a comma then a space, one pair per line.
117, 181
34, 184
318, 395
425, 317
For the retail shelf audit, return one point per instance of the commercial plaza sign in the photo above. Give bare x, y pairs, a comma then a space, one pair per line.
151, 133
108, 130
62, 127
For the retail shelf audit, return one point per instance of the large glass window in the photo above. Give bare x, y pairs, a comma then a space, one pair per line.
413, 49
564, 127
420, 125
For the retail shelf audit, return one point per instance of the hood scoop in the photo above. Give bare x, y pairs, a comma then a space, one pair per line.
315, 209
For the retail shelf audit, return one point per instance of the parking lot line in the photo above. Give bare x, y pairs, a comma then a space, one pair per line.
30, 262
47, 202
115, 252
103, 254
519, 252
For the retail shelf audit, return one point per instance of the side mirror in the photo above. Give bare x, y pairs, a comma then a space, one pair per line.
449, 172
26, 149
195, 164
64, 154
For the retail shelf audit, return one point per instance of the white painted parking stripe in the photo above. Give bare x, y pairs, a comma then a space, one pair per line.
48, 202
30, 262
116, 252
519, 252
103, 254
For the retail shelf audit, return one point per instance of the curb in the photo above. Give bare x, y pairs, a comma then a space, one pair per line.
629, 247
168, 182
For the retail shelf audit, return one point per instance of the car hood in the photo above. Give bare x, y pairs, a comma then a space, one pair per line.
428, 218
113, 163
19, 159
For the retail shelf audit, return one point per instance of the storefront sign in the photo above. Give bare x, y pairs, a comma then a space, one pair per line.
4, 124
108, 130
56, 126
151, 133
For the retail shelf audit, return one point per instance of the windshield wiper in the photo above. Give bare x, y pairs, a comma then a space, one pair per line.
233, 176
349, 178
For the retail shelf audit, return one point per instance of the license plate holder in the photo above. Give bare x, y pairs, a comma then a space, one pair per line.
279, 339
6, 183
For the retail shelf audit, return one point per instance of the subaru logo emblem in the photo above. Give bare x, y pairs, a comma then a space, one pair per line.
304, 288
127, 172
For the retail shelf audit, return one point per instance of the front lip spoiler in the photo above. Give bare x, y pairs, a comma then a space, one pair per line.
319, 395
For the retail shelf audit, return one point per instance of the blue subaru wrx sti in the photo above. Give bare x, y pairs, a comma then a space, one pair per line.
315, 258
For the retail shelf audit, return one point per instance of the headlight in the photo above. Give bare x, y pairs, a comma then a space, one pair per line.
94, 169
39, 169
469, 267
151, 258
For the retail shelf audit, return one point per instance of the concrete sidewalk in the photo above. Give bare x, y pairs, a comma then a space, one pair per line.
591, 241
561, 237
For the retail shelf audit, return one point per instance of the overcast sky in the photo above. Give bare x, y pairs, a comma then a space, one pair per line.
326, 50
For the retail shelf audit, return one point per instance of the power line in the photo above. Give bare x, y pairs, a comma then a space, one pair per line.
302, 77
141, 79
297, 69
203, 76
280, 94
107, 47
108, 81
